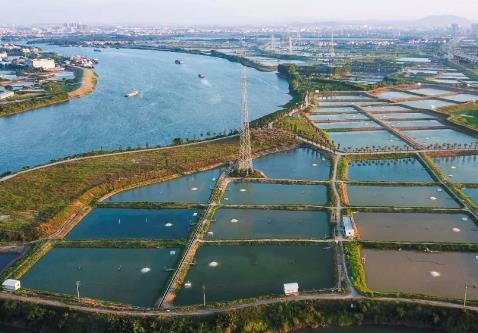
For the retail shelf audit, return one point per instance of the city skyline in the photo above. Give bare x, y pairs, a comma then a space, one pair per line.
229, 12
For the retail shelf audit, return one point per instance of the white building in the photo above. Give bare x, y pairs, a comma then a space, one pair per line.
291, 288
348, 226
6, 94
45, 64
3, 55
11, 285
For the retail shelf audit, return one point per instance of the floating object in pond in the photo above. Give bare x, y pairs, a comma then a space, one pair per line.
168, 225
213, 264
172, 252
145, 270
234, 220
456, 230
214, 179
433, 198
119, 221
439, 190
464, 218
119, 267
435, 274
476, 257
195, 214
188, 285
243, 190
226, 199
314, 164
450, 176
453, 167
210, 233
194, 189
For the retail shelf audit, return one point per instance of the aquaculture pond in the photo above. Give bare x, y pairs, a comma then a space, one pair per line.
460, 169
348, 124
417, 227
385, 108
121, 223
404, 115
265, 223
431, 104
365, 329
344, 97
357, 140
334, 110
415, 123
173, 102
195, 188
6, 258
462, 98
400, 196
439, 273
395, 95
235, 272
441, 136
339, 116
300, 163
472, 193
431, 91
274, 194
396, 170
130, 276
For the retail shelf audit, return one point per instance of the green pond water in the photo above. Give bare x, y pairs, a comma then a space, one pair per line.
195, 188
357, 140
365, 329
300, 163
472, 193
396, 170
237, 272
130, 276
400, 196
274, 194
416, 227
441, 136
272, 224
461, 169
441, 274
6, 258
121, 223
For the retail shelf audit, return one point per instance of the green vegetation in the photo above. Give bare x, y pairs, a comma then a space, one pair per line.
40, 201
304, 128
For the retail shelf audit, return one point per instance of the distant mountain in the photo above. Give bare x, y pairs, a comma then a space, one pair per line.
440, 21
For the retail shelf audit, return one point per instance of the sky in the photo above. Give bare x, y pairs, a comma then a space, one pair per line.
224, 12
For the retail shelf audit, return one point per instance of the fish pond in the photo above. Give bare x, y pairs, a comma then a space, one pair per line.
392, 170
130, 276
441, 136
235, 224
235, 272
358, 140
460, 169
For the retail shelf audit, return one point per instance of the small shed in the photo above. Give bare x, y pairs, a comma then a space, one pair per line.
11, 285
348, 226
291, 288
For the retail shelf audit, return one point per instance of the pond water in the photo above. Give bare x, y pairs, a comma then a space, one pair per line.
274, 194
417, 60
401, 196
272, 224
348, 124
396, 170
195, 188
417, 227
460, 169
249, 271
415, 123
173, 102
131, 276
6, 258
439, 274
385, 108
365, 329
300, 163
463, 98
333, 117
344, 97
356, 140
405, 115
472, 193
122, 223
441, 136
430, 104
430, 91
333, 110
394, 95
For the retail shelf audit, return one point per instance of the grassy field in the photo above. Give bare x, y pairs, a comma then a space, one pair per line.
38, 203
463, 114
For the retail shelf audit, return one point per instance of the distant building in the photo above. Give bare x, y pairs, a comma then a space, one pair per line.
348, 226
11, 285
455, 29
291, 288
3, 55
474, 29
45, 64
6, 94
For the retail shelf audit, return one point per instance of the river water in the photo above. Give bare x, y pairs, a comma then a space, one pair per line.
173, 102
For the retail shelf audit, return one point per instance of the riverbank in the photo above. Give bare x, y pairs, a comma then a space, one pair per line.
88, 83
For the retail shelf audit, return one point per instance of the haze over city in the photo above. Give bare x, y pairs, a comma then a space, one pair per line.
227, 12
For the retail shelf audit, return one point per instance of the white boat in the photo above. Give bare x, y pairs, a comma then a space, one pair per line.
132, 93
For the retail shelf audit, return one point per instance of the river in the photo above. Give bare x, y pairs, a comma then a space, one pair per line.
173, 102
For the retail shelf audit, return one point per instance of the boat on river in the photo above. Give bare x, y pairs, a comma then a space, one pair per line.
201, 76
132, 93
178, 62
